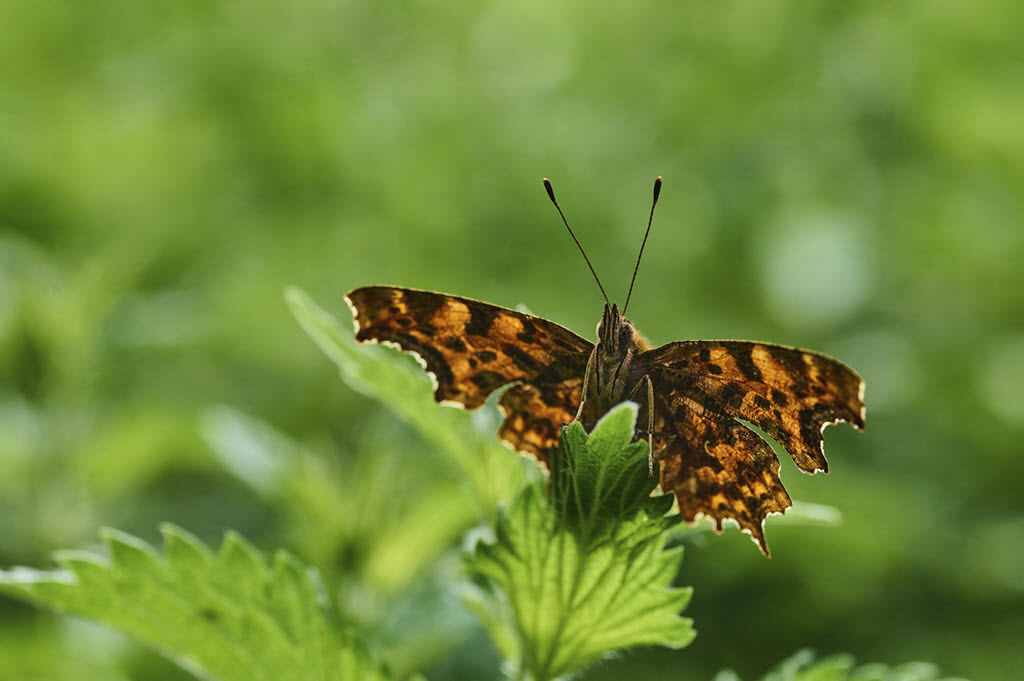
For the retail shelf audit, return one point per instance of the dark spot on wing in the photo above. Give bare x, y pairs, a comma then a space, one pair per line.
742, 354
832, 371
455, 343
762, 402
529, 332
485, 356
423, 306
810, 428
405, 321
779, 398
714, 369
520, 357
732, 395
791, 361
726, 435
556, 372
488, 380
705, 355
748, 477
480, 320
695, 394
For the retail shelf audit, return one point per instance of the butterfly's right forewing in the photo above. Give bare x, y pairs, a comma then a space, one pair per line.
473, 348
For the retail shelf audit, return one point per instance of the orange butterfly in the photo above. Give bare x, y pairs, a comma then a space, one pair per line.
690, 393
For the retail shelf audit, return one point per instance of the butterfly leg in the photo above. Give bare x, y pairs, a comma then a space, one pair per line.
650, 426
586, 383
650, 419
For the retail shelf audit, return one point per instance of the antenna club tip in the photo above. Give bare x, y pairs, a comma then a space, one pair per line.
658, 179
551, 191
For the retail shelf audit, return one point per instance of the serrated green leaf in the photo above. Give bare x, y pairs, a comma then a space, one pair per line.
240, 567
803, 666
187, 557
599, 480
232, 617
404, 388
584, 572
130, 555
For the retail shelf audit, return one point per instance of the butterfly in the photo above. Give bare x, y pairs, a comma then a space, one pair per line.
694, 397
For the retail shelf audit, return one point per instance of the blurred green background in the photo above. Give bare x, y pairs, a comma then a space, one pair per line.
844, 176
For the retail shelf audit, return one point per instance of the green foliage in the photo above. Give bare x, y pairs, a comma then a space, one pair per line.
844, 176
574, 575
802, 666
456, 468
602, 478
228, 616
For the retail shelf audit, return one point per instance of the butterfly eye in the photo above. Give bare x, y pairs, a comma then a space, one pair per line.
604, 326
625, 335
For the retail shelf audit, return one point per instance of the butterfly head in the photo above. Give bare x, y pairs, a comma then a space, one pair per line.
615, 357
615, 333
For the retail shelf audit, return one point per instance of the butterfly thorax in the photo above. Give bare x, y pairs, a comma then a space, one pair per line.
617, 367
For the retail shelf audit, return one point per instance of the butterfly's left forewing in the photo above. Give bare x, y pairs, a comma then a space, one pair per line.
718, 467
472, 348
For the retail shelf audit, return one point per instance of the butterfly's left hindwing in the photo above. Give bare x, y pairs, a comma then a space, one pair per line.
473, 348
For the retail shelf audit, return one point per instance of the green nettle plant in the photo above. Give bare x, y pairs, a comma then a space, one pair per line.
230, 615
579, 569
802, 666
573, 569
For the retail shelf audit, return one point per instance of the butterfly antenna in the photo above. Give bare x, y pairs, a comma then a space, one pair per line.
657, 191
551, 195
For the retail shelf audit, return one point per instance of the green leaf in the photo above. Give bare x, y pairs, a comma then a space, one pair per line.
397, 382
802, 666
571, 577
229, 616
603, 477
